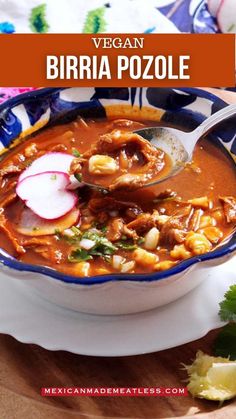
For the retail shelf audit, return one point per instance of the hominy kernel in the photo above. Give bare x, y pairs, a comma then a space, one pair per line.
198, 243
82, 268
102, 165
127, 267
214, 234
144, 258
180, 252
207, 221
165, 264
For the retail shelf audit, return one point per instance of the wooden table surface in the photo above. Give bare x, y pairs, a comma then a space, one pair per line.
27, 368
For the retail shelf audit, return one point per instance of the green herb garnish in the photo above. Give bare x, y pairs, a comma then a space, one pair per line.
102, 247
58, 234
79, 255
71, 239
126, 245
228, 305
78, 176
141, 240
76, 152
103, 229
225, 343
76, 231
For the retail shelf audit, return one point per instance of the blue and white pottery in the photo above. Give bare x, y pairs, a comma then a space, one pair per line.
118, 293
203, 21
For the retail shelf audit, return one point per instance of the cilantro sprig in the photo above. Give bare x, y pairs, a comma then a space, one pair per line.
79, 255
76, 152
228, 305
225, 342
126, 245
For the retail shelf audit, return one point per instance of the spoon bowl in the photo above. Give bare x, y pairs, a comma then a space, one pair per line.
169, 140
179, 145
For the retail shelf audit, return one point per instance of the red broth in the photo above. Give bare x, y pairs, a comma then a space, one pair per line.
146, 230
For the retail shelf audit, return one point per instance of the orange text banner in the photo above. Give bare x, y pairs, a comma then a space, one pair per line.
105, 60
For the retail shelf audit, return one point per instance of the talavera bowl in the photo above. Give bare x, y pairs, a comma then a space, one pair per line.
119, 293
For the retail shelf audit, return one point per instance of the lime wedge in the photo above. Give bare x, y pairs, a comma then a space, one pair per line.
212, 378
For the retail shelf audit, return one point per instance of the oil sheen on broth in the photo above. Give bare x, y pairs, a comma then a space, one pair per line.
125, 231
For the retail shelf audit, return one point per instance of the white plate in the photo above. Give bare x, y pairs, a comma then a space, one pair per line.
31, 319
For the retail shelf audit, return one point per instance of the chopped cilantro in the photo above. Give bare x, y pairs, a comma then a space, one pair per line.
79, 255
70, 238
141, 240
126, 245
98, 226
92, 235
228, 305
58, 234
78, 176
103, 229
102, 247
76, 231
76, 152
225, 343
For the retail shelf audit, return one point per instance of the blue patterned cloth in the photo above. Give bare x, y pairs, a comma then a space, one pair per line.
191, 16
101, 16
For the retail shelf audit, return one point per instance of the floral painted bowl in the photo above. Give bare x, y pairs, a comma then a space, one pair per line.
118, 293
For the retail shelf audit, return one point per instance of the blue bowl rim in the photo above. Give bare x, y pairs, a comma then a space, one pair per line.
12, 263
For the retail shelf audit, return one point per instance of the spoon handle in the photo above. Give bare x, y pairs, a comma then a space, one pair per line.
210, 123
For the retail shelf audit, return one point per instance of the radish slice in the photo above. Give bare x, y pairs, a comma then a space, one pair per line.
50, 162
32, 225
46, 195
226, 16
213, 6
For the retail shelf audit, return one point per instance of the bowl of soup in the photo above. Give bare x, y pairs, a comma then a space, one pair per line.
79, 224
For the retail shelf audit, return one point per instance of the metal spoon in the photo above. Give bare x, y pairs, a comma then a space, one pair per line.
179, 145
